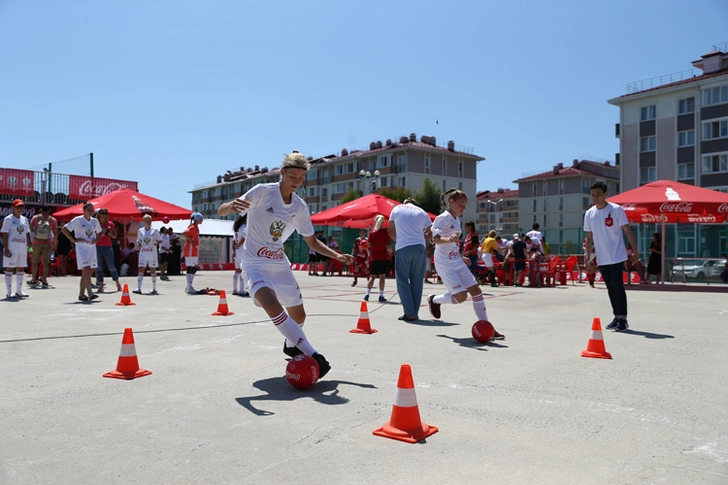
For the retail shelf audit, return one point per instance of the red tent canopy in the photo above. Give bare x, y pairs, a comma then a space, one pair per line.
128, 205
669, 201
358, 213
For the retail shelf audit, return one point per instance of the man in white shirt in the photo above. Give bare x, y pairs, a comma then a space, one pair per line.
604, 224
16, 241
536, 237
409, 226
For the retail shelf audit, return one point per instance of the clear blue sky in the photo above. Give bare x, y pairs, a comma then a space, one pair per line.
173, 93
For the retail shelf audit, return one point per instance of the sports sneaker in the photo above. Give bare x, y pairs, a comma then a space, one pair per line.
33, 282
494, 285
353, 284
613, 324
190, 291
236, 293
93, 297
366, 297
244, 294
10, 297
622, 326
45, 284
20, 294
382, 299
138, 292
291, 351
434, 307
498, 336
591, 285
154, 292
324, 366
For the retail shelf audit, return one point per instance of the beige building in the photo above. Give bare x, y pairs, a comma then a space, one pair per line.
675, 127
558, 199
498, 210
405, 162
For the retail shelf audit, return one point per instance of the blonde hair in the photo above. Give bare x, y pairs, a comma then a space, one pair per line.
453, 194
295, 160
147, 217
378, 222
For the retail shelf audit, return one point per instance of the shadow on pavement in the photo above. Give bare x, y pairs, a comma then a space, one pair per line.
278, 389
648, 334
432, 323
471, 343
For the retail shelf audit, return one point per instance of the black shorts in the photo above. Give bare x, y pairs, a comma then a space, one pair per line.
519, 265
313, 258
379, 267
164, 257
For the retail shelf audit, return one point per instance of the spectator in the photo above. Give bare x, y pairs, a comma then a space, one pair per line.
312, 262
105, 251
63, 249
360, 251
409, 227
380, 247
324, 259
489, 250
330, 264
470, 250
191, 251
165, 250
654, 264
16, 244
536, 237
44, 228
240, 229
518, 251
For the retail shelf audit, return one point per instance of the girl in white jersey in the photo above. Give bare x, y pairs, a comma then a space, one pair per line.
148, 238
451, 266
274, 212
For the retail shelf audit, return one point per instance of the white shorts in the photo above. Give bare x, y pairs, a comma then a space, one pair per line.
238, 262
488, 260
85, 255
456, 278
191, 261
148, 258
279, 278
17, 259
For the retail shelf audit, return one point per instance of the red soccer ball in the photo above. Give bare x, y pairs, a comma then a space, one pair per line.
302, 371
165, 220
483, 331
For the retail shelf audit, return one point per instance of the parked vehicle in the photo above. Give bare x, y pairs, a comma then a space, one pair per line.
698, 269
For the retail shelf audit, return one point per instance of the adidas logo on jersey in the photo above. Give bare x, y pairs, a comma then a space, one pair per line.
269, 209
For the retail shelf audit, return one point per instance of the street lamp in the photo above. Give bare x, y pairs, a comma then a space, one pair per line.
366, 174
495, 210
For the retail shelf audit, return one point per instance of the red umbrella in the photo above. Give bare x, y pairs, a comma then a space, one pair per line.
358, 213
669, 201
128, 205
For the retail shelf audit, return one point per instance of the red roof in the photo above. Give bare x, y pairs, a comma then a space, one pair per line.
498, 194
695, 79
395, 145
562, 172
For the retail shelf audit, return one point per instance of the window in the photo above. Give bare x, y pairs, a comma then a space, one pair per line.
685, 171
535, 206
460, 169
647, 113
715, 129
312, 174
427, 162
686, 241
545, 189
561, 187
460, 186
715, 163
686, 138
324, 193
585, 202
338, 188
402, 181
686, 105
648, 143
444, 165
383, 161
535, 189
715, 95
443, 186
648, 174
312, 191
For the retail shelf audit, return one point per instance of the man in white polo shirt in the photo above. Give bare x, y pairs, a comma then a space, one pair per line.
409, 226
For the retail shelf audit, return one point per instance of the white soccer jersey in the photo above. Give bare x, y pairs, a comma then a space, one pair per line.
84, 230
240, 235
446, 225
146, 239
17, 229
271, 222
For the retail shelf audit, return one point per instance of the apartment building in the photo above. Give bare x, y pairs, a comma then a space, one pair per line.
498, 210
558, 199
405, 162
675, 127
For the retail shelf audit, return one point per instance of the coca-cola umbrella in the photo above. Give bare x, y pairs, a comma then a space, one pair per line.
358, 213
127, 205
669, 201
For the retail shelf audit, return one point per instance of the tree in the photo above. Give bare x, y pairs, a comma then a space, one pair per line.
352, 194
395, 193
429, 197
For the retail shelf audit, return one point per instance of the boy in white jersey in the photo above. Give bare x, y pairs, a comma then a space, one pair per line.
274, 212
85, 229
148, 238
451, 266
240, 230
16, 241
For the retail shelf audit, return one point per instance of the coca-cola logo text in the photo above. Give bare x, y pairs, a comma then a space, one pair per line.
87, 189
653, 218
723, 207
454, 255
629, 207
266, 252
696, 218
679, 207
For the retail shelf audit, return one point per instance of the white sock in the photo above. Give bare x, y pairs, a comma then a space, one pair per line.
140, 278
369, 290
235, 282
293, 333
381, 293
19, 281
190, 277
154, 283
479, 307
446, 298
9, 282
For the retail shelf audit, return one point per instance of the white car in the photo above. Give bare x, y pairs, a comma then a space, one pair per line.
699, 269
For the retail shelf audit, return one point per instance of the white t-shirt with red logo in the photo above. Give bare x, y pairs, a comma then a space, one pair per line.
18, 229
270, 223
146, 239
84, 230
447, 254
606, 228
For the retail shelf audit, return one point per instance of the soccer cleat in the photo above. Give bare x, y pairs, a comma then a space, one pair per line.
494, 285
498, 336
366, 297
20, 294
613, 324
324, 366
10, 296
291, 351
382, 299
434, 307
353, 284
622, 326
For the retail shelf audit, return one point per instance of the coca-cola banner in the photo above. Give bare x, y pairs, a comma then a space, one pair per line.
85, 188
16, 182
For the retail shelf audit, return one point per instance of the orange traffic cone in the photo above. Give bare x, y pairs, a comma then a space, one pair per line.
596, 348
222, 308
405, 424
128, 365
363, 325
125, 298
